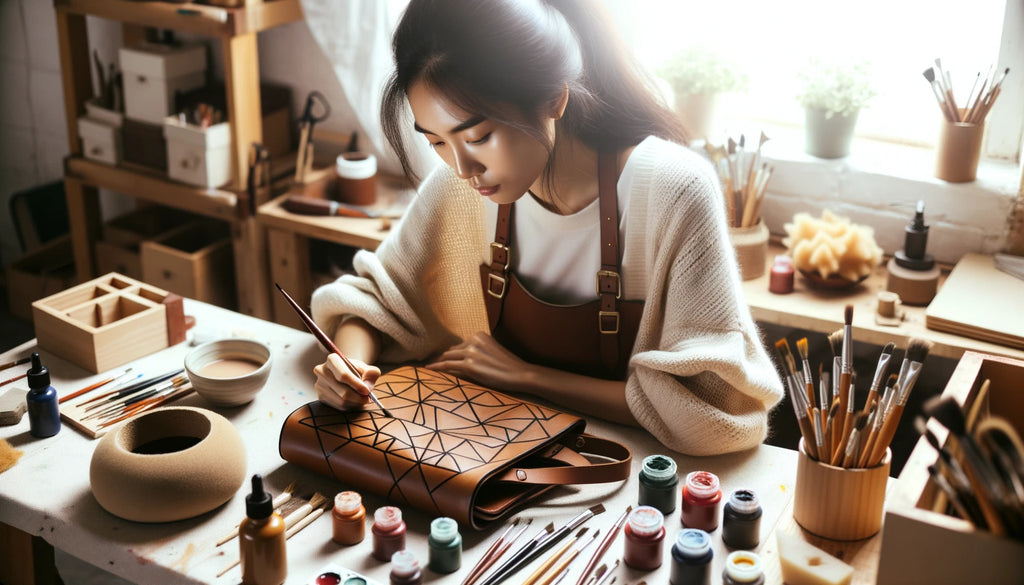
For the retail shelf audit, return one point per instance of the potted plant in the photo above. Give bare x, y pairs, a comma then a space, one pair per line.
697, 76
833, 94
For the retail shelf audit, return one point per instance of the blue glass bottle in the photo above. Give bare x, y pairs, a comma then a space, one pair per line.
43, 414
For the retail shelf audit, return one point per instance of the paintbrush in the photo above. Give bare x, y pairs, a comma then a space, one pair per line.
835, 343
562, 568
833, 421
150, 403
519, 558
782, 346
500, 551
801, 348
14, 379
597, 575
849, 450
879, 419
910, 369
951, 494
881, 369
804, 413
604, 580
824, 389
819, 431
605, 543
956, 478
929, 74
17, 362
484, 562
92, 387
535, 576
277, 503
984, 481
329, 345
846, 373
130, 399
98, 401
308, 515
946, 85
308, 519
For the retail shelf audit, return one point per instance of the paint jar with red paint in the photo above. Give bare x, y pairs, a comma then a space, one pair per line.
644, 534
701, 499
388, 533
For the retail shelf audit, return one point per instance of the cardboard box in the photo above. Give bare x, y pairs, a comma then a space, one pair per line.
922, 546
44, 271
108, 321
195, 260
100, 131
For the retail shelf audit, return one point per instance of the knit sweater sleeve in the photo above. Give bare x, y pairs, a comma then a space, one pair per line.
419, 289
700, 378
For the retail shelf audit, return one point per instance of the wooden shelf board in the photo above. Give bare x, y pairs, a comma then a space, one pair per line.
822, 310
194, 18
154, 187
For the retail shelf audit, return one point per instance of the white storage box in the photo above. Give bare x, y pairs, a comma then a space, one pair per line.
196, 155
101, 139
152, 75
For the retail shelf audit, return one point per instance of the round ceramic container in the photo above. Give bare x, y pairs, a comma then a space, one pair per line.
168, 464
228, 372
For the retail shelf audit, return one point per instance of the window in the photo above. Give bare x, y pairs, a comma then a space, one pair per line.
899, 38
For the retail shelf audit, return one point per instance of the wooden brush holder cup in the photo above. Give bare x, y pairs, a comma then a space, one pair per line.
958, 151
837, 503
751, 245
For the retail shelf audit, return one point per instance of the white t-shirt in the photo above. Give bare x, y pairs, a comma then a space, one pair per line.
557, 257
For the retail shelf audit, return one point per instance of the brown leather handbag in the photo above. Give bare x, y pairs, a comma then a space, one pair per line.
452, 448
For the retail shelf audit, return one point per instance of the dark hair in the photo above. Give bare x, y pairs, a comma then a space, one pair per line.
488, 56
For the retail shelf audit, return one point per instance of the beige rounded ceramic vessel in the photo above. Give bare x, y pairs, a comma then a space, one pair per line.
169, 464
228, 372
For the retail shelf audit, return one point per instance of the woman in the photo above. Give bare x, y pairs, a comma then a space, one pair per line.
501, 272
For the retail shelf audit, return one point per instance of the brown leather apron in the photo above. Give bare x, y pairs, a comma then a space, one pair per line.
594, 338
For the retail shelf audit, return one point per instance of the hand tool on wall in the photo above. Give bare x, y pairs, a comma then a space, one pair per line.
315, 102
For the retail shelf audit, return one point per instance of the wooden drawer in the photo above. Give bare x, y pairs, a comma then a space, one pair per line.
194, 260
118, 250
108, 321
923, 546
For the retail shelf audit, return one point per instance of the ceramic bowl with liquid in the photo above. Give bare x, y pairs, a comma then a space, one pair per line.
228, 372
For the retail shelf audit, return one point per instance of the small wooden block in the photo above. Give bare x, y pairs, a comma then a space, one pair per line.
12, 406
176, 328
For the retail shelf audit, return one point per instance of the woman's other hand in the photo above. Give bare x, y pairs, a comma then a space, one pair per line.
337, 386
485, 361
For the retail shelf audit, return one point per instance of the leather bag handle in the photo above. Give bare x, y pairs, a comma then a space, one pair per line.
577, 471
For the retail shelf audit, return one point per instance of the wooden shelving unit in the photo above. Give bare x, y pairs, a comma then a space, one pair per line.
236, 29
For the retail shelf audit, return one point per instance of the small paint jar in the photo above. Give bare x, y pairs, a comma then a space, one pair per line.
644, 533
780, 277
743, 567
701, 498
349, 519
445, 545
741, 520
388, 533
658, 483
691, 558
405, 569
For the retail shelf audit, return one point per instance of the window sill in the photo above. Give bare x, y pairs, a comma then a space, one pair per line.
879, 185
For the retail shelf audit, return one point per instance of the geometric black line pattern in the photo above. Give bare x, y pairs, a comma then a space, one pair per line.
441, 427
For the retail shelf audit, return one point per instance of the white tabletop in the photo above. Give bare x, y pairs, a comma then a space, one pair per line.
47, 492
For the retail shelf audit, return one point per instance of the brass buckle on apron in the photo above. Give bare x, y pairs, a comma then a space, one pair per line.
606, 273
600, 322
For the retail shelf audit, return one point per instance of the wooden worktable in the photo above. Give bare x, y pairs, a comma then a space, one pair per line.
67, 516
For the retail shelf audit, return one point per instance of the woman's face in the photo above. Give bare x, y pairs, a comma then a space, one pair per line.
499, 161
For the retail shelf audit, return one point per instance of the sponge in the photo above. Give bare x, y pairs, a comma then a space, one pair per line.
805, 564
12, 406
8, 455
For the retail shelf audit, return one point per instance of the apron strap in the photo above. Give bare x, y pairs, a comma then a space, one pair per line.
501, 259
609, 282
577, 469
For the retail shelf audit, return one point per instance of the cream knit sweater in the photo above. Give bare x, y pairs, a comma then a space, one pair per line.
700, 380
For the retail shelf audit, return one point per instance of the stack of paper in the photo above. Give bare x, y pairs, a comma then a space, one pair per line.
979, 300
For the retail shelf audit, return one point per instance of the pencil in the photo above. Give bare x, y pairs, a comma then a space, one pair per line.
329, 345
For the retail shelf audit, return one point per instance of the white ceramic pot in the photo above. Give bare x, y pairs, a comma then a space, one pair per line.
828, 137
169, 464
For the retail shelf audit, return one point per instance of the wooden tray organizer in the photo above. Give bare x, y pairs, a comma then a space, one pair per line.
108, 321
923, 546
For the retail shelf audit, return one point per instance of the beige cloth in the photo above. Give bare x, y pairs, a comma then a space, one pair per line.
700, 380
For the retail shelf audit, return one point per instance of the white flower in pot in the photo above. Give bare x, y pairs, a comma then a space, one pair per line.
833, 94
697, 76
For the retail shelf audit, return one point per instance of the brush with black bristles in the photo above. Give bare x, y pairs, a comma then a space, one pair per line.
835, 343
878, 421
917, 351
984, 480
782, 346
955, 476
895, 401
846, 372
519, 558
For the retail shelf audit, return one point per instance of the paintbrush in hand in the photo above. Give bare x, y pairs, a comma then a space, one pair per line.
329, 345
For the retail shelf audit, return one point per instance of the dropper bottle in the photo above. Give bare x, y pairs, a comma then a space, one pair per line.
261, 539
43, 411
